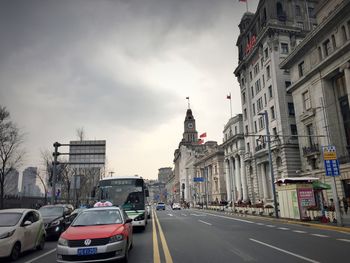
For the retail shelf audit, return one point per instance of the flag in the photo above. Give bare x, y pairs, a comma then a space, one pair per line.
187, 98
200, 141
228, 97
203, 135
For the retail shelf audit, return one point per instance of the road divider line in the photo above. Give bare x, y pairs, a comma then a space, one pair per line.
156, 256
205, 222
283, 228
319, 235
300, 231
227, 217
168, 258
270, 226
345, 240
41, 256
285, 251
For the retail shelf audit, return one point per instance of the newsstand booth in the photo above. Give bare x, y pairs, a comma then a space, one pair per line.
295, 195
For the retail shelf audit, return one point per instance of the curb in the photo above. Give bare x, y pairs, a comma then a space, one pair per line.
287, 221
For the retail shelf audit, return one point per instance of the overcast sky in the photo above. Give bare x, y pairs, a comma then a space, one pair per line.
121, 69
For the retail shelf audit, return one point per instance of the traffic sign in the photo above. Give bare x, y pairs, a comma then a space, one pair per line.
331, 163
198, 179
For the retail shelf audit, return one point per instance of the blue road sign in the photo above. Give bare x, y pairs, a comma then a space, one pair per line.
198, 179
331, 163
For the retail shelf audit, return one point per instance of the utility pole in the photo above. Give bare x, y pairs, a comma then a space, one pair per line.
270, 161
54, 172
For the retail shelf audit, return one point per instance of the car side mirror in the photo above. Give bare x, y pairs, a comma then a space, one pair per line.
128, 220
27, 223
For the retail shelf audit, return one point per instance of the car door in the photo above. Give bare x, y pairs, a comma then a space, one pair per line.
28, 231
129, 226
37, 228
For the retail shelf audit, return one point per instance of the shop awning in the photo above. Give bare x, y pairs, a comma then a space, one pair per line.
321, 186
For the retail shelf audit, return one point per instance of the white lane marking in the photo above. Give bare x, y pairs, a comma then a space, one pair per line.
283, 228
41, 256
243, 255
170, 214
196, 215
299, 231
236, 219
270, 226
345, 240
319, 235
285, 251
205, 222
260, 224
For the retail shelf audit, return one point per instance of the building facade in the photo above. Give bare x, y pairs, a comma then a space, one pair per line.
320, 73
29, 182
11, 183
266, 38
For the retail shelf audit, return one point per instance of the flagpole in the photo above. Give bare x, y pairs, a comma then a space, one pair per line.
188, 102
230, 105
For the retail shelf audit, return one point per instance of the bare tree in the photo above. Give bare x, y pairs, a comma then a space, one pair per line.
80, 133
43, 183
11, 152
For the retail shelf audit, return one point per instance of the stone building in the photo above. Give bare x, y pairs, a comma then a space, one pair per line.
266, 38
210, 167
320, 73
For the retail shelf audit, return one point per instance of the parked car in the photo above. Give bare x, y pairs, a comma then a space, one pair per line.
176, 206
20, 230
97, 234
160, 206
55, 219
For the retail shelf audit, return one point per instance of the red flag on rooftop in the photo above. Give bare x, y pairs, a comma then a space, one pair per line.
200, 141
203, 135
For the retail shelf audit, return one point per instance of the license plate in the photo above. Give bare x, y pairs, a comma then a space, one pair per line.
87, 251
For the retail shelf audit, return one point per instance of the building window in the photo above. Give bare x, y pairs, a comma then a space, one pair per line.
245, 114
248, 147
287, 83
268, 72
284, 48
256, 69
261, 123
250, 76
255, 127
252, 91
257, 86
270, 92
274, 131
320, 53
246, 129
254, 109
263, 79
334, 44
265, 99
273, 113
243, 97
291, 109
293, 130
266, 53
301, 69
310, 133
297, 10
344, 35
327, 47
235, 130
259, 104
300, 25
262, 62
306, 100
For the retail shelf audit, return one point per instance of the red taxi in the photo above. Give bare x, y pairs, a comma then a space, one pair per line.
96, 235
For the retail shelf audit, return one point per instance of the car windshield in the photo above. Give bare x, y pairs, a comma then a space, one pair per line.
9, 219
51, 211
160, 203
98, 217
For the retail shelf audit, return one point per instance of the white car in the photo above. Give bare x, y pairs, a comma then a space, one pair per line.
20, 230
176, 206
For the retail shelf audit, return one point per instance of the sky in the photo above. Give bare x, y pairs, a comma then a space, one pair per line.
121, 70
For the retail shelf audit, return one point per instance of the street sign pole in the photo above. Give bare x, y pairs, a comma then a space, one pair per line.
332, 169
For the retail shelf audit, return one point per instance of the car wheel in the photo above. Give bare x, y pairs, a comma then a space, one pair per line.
41, 244
16, 251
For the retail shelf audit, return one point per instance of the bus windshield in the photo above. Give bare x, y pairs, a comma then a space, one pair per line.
126, 193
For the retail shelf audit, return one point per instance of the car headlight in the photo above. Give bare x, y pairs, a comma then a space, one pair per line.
116, 238
55, 223
63, 242
7, 234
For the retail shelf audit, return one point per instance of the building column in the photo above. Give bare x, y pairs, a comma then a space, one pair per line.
228, 181
347, 78
243, 179
238, 179
264, 182
233, 180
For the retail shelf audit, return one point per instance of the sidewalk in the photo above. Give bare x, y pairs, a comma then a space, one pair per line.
314, 224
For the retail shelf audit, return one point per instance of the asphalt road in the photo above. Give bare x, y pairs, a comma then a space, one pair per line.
187, 236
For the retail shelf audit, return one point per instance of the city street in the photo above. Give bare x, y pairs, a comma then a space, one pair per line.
199, 236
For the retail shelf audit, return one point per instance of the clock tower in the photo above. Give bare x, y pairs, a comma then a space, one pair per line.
190, 134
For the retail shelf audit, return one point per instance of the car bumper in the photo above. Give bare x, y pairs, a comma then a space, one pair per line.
138, 223
54, 231
109, 252
6, 245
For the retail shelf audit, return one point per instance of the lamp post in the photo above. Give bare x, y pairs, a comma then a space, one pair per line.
265, 114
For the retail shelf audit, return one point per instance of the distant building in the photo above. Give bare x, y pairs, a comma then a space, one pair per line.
11, 183
30, 183
164, 174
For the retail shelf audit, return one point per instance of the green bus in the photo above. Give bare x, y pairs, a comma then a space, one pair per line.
129, 193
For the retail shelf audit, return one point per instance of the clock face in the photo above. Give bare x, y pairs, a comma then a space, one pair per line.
190, 125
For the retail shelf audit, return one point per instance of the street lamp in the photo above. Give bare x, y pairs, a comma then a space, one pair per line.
270, 160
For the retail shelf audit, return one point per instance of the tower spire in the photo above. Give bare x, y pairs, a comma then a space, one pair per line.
188, 102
